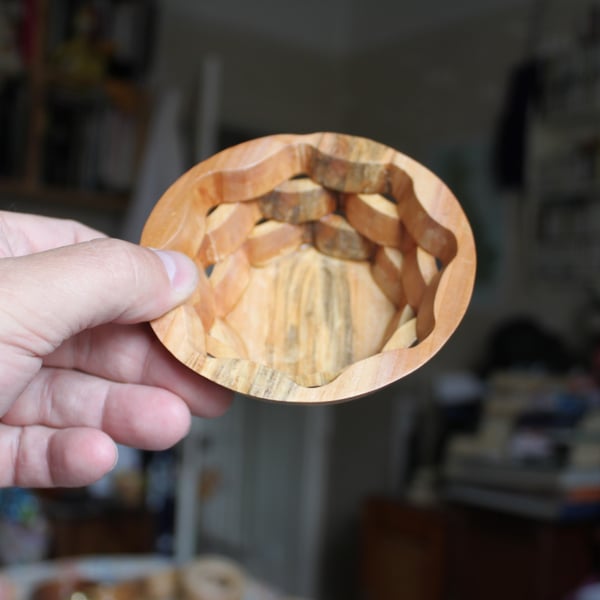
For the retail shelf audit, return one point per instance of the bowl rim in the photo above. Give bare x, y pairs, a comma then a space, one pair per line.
222, 176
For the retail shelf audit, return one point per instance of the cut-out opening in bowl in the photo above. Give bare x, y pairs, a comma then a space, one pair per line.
323, 258
307, 288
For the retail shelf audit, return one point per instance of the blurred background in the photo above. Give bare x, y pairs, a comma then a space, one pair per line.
477, 476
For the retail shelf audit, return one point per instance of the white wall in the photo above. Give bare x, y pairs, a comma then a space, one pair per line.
333, 27
416, 75
313, 25
268, 85
383, 21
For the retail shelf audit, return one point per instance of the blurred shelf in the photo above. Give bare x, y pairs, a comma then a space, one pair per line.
586, 118
588, 190
78, 123
64, 196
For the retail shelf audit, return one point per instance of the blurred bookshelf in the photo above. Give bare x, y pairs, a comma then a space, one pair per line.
535, 452
563, 162
73, 108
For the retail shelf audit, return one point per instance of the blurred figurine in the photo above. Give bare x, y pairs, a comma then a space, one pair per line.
83, 59
10, 59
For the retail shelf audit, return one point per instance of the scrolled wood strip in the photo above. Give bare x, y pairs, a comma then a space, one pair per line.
427, 265
386, 271
298, 201
418, 269
351, 164
404, 337
227, 228
272, 239
308, 380
334, 236
402, 316
426, 320
375, 217
229, 279
184, 233
264, 163
223, 342
203, 301
427, 232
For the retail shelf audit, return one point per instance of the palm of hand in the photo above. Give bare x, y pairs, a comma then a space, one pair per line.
79, 368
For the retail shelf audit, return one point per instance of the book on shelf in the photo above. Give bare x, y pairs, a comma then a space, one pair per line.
14, 106
537, 506
89, 145
534, 491
521, 478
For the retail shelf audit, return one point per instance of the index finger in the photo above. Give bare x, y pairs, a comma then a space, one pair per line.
22, 233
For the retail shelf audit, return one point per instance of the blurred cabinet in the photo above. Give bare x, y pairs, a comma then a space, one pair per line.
497, 556
460, 553
115, 530
563, 162
404, 551
72, 106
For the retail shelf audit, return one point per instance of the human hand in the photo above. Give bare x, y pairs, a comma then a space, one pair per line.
79, 367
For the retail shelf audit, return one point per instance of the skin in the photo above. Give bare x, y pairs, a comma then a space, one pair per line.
80, 369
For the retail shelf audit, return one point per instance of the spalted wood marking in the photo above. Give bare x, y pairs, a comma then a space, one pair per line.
298, 201
333, 235
323, 287
307, 315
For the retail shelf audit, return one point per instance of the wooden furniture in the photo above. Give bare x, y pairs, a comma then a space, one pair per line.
337, 265
72, 129
460, 553
404, 551
112, 531
496, 556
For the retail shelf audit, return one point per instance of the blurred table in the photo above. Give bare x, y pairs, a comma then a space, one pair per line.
24, 579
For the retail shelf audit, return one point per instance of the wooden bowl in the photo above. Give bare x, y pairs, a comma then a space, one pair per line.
331, 266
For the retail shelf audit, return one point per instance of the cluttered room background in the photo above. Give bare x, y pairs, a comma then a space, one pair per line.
486, 460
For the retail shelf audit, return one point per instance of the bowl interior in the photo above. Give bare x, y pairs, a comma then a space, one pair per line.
307, 280
326, 263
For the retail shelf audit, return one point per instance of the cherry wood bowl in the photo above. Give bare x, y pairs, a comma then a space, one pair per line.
330, 266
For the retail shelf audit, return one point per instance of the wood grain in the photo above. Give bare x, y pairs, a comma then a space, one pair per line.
227, 228
300, 327
271, 240
229, 278
418, 269
386, 271
334, 236
375, 217
325, 287
298, 201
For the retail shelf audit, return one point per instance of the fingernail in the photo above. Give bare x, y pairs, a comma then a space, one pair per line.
116, 458
180, 270
168, 262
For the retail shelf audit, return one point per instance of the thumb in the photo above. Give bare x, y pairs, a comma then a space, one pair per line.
48, 297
